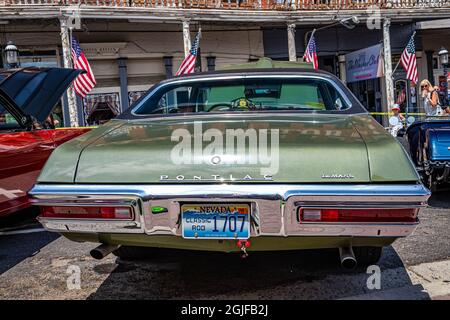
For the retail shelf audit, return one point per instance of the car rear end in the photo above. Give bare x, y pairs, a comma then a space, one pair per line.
340, 181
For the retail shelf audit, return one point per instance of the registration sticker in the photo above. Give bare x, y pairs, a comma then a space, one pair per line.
215, 221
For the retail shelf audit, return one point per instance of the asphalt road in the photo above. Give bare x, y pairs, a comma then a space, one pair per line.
38, 265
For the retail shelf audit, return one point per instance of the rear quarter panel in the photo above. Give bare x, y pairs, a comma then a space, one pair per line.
439, 144
22, 155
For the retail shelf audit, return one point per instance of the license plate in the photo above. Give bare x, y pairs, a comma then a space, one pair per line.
215, 221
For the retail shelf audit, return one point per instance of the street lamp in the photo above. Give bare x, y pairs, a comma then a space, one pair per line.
443, 56
12, 55
349, 23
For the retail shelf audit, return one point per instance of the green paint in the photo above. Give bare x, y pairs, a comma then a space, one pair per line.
310, 145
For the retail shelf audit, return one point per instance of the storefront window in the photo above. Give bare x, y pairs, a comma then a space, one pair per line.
369, 94
99, 108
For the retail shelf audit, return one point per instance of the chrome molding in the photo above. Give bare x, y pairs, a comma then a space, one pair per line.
310, 229
91, 226
417, 193
356, 229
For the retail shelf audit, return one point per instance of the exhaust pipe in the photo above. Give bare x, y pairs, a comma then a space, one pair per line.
103, 250
348, 260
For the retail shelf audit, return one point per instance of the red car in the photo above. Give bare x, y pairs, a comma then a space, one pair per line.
27, 97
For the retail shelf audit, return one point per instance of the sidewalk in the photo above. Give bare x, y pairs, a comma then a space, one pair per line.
429, 281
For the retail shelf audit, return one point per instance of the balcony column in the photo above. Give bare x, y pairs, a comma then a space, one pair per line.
168, 65
342, 70
66, 50
388, 65
211, 63
123, 77
291, 42
186, 37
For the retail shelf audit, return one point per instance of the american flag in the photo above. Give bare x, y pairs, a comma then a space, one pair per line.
84, 83
311, 52
401, 97
188, 64
409, 61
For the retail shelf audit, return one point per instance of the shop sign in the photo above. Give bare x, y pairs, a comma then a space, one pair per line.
364, 64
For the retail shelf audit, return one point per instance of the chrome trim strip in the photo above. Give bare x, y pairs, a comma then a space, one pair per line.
355, 230
91, 226
310, 229
248, 115
234, 77
42, 193
355, 205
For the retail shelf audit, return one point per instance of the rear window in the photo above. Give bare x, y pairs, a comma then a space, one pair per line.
249, 95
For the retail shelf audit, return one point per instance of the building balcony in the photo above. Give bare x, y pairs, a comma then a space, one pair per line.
280, 5
259, 12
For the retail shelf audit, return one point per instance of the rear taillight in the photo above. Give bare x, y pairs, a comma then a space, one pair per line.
87, 212
356, 215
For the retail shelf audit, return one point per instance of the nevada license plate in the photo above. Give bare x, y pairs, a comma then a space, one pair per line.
215, 221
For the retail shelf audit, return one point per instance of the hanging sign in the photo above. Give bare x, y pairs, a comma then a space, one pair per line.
364, 64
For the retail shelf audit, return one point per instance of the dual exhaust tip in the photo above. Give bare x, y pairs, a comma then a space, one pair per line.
103, 250
348, 260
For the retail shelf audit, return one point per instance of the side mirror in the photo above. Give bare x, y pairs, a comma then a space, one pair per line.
393, 121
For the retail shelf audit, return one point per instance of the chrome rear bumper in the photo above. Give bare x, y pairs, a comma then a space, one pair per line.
273, 206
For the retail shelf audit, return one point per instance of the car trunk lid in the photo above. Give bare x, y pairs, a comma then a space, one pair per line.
288, 148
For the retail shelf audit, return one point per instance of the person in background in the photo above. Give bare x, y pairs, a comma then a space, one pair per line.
443, 97
401, 119
56, 120
430, 98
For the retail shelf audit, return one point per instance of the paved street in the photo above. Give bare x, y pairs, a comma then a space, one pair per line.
37, 265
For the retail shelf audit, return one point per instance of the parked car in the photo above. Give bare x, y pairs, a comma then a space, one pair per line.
27, 97
269, 156
429, 147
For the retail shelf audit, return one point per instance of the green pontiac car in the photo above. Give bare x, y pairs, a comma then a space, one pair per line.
263, 156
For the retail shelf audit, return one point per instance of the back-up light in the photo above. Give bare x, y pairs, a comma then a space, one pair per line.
87, 212
357, 215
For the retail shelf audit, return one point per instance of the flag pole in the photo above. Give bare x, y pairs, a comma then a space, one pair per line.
396, 67
310, 37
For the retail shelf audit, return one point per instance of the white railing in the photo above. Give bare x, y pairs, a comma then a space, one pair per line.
243, 4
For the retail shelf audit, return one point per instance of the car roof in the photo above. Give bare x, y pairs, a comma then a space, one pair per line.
297, 70
251, 72
262, 66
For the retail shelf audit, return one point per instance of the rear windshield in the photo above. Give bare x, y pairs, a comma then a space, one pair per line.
243, 95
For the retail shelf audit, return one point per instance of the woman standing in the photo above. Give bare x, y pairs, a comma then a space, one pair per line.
430, 98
